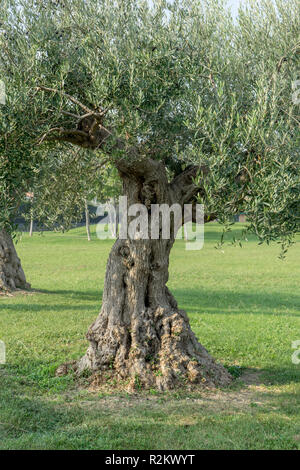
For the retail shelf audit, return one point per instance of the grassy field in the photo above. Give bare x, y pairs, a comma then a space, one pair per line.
244, 306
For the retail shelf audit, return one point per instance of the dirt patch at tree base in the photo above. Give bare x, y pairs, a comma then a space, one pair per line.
18, 292
246, 392
110, 383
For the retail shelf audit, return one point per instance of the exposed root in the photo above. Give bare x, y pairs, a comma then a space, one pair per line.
159, 351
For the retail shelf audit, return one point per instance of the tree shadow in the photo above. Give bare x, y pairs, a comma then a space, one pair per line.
38, 308
92, 294
270, 375
193, 300
216, 302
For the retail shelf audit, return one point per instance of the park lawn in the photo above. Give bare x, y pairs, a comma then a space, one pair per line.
244, 306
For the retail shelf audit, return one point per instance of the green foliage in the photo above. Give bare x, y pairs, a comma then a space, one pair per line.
18, 160
180, 81
66, 179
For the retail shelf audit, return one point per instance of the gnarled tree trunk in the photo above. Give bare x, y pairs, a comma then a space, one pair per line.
12, 276
140, 335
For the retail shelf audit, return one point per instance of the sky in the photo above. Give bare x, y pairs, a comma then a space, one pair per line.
234, 4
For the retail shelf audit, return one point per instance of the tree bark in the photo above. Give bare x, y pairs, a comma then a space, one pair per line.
141, 336
12, 276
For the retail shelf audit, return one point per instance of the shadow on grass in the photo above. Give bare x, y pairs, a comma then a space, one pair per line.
21, 415
271, 376
216, 302
193, 300
93, 295
39, 308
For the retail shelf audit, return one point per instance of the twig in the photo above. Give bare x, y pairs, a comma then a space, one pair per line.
89, 112
71, 98
71, 114
292, 117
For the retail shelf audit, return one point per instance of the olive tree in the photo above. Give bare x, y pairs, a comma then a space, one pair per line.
189, 106
17, 171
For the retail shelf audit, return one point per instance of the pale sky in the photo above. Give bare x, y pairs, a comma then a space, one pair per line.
234, 4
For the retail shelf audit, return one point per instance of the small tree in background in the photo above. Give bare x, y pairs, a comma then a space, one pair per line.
17, 172
188, 106
67, 183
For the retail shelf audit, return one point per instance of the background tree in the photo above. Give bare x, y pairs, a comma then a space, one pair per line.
60, 180
188, 106
68, 181
17, 171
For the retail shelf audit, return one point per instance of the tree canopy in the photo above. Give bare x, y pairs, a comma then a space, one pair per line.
180, 82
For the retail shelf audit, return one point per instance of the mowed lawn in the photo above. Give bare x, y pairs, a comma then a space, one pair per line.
244, 306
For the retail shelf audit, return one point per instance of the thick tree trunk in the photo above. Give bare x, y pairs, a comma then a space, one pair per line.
12, 276
141, 336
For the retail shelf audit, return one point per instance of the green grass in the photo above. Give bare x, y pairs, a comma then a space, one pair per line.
244, 306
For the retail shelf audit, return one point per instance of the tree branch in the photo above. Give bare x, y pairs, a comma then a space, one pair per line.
192, 215
89, 112
61, 133
71, 98
183, 187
